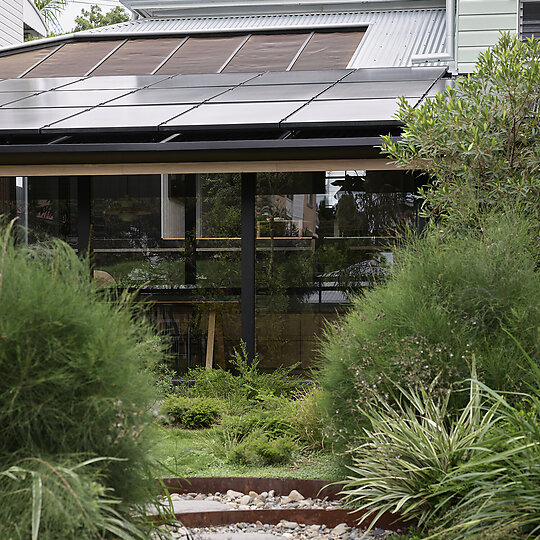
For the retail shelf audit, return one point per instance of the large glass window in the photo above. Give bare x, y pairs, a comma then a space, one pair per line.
320, 238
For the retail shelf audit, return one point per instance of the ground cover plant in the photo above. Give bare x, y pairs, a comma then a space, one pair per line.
255, 421
461, 300
75, 400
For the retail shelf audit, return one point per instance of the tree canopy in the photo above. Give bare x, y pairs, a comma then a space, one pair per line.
95, 18
479, 139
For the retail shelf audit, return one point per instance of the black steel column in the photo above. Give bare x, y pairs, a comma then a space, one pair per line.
249, 181
190, 243
84, 219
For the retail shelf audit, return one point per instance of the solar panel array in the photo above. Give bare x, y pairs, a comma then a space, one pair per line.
212, 101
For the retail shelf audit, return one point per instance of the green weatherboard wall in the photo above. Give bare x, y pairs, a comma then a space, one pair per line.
479, 24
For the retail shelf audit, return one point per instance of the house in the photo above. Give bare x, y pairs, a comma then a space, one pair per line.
20, 19
222, 156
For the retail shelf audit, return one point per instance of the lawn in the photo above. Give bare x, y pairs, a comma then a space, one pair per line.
184, 453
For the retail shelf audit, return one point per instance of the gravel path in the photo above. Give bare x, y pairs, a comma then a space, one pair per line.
234, 500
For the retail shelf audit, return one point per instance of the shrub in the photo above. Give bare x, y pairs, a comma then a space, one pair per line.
306, 419
259, 449
449, 297
192, 413
471, 476
75, 382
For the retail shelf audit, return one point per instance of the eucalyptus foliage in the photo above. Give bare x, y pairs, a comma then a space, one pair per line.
478, 140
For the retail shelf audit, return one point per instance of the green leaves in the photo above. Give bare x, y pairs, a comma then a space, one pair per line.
479, 137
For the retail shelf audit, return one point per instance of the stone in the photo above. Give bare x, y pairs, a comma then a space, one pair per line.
234, 494
243, 507
288, 524
285, 500
245, 499
253, 494
259, 503
288, 535
340, 529
258, 523
271, 493
296, 496
199, 497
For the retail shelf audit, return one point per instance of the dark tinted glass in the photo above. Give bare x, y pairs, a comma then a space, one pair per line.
74, 59
137, 56
14, 65
273, 52
332, 50
201, 55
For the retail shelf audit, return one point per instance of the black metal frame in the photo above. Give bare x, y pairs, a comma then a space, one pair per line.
249, 186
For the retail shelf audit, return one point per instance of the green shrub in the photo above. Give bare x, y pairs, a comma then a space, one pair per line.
192, 413
307, 420
75, 380
259, 449
241, 390
471, 476
449, 297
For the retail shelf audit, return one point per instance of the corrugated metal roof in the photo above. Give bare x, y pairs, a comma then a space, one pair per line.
392, 38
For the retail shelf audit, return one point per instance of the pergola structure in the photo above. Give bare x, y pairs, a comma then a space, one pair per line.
257, 140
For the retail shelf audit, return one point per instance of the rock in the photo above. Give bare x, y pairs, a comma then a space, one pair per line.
288, 535
199, 497
258, 524
285, 500
288, 524
271, 493
378, 532
234, 494
243, 507
296, 496
259, 503
340, 529
253, 494
315, 527
245, 499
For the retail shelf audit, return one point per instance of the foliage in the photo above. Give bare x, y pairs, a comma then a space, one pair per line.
307, 421
449, 297
471, 476
40, 499
74, 371
50, 9
95, 18
192, 413
478, 141
257, 448
249, 386
409, 448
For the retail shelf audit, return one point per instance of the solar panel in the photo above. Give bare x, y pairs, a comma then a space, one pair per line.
66, 98
34, 85
119, 82
206, 79
396, 74
157, 96
142, 117
374, 90
276, 92
235, 115
12, 120
8, 97
347, 111
299, 77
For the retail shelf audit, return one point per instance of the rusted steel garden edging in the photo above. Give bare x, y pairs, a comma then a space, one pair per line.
281, 486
